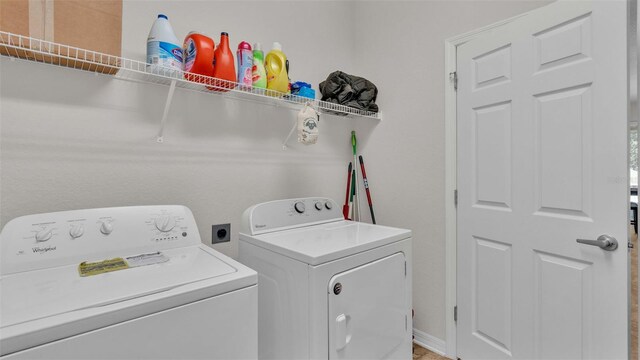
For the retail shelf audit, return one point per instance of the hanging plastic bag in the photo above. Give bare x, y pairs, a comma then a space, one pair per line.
308, 121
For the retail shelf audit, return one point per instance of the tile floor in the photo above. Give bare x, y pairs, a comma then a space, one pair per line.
420, 353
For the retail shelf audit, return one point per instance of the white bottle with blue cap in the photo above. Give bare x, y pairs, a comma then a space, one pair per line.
163, 50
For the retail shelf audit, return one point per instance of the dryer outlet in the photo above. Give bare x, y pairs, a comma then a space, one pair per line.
220, 233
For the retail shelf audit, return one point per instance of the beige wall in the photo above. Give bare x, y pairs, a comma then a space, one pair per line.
73, 140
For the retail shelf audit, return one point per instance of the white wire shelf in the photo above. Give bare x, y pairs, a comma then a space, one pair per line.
42, 51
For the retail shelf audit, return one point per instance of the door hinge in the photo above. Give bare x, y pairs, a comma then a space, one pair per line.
453, 76
405, 269
455, 197
455, 313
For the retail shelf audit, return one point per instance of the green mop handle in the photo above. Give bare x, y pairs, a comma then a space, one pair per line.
356, 205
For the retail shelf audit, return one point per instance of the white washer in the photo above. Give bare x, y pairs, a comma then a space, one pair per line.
197, 304
328, 288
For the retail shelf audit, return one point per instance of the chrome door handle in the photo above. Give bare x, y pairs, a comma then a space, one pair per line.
604, 242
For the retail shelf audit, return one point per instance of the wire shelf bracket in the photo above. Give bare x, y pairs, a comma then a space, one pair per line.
165, 113
284, 143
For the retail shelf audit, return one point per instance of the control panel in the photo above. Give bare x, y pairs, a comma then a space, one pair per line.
56, 239
289, 213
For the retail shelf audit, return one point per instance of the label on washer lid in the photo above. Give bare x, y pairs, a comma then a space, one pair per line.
115, 264
146, 259
101, 267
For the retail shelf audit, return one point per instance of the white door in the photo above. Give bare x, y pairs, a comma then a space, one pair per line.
368, 315
542, 161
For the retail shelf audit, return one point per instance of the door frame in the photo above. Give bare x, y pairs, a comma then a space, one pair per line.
450, 196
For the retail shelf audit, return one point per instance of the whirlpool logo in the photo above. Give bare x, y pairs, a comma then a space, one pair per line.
43, 250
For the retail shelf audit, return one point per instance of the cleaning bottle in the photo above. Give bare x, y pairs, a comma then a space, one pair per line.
198, 56
276, 66
244, 56
163, 48
259, 73
223, 64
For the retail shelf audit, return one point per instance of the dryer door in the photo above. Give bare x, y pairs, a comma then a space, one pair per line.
368, 314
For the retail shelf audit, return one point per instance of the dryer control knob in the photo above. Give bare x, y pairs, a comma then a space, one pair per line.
76, 231
165, 223
106, 228
318, 206
43, 235
328, 205
299, 206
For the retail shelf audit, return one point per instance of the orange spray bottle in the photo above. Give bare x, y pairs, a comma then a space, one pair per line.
224, 67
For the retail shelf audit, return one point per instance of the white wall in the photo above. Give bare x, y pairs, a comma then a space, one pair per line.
74, 140
400, 47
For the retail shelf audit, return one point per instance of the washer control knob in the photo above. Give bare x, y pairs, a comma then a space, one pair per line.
299, 206
106, 228
44, 235
165, 223
76, 231
318, 206
328, 205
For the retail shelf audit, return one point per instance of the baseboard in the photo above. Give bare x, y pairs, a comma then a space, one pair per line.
430, 342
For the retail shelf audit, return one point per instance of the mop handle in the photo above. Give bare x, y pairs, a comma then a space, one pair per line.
366, 188
356, 205
353, 193
345, 207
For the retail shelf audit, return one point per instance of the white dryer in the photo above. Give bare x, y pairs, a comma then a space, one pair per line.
176, 298
328, 288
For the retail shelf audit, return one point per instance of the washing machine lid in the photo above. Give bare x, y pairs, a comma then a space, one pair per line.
318, 244
43, 293
57, 302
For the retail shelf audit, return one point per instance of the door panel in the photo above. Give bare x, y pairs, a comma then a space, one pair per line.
492, 125
563, 147
568, 279
542, 161
493, 67
564, 43
368, 314
492, 293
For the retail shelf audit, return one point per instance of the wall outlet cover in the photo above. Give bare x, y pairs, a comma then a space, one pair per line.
220, 233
